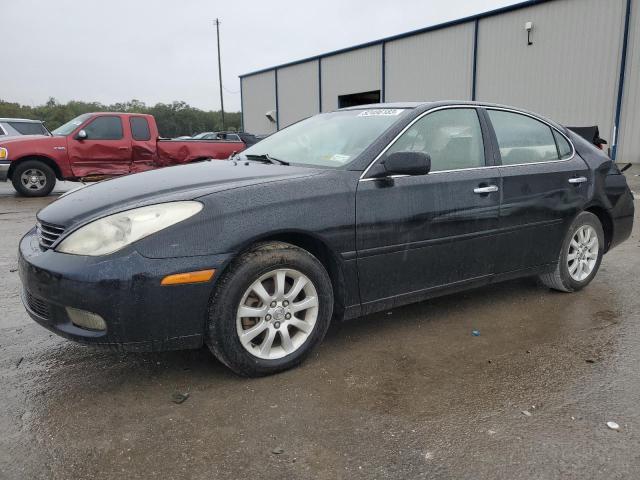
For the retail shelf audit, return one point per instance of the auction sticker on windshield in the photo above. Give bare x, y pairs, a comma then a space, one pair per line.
380, 112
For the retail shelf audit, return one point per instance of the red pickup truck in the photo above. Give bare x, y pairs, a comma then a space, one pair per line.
95, 146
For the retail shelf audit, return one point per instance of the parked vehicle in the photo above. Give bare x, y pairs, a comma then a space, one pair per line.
340, 215
590, 134
14, 127
95, 146
200, 136
247, 138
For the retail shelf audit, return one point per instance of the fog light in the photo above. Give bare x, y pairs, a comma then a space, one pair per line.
88, 320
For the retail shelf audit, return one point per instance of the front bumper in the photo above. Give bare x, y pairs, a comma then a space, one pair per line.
124, 289
4, 169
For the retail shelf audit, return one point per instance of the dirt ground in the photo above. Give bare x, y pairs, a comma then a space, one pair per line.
403, 394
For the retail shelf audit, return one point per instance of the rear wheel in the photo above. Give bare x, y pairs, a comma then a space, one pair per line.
580, 256
33, 178
270, 309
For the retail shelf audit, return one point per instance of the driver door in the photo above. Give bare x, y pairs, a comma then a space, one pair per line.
416, 234
105, 151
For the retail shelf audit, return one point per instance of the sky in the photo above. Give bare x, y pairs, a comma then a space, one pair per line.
165, 50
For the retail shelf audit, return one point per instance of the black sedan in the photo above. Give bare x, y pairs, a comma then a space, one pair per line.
337, 216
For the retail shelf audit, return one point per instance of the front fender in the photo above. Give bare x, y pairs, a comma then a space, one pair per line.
322, 206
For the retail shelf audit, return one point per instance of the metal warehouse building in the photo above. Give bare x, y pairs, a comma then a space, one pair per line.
575, 61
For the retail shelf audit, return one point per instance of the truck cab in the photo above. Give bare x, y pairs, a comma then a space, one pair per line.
95, 146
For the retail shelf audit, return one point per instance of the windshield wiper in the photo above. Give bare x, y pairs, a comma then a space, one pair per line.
265, 157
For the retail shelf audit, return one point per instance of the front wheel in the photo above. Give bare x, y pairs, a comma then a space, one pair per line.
270, 309
33, 178
580, 255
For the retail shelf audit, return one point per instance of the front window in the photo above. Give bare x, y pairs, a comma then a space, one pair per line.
71, 125
452, 138
328, 139
104, 128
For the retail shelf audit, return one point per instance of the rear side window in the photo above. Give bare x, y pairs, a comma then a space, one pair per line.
140, 128
2, 130
452, 138
523, 139
564, 148
104, 128
28, 128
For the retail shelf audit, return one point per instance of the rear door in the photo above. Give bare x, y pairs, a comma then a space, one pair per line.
143, 146
418, 233
105, 151
545, 184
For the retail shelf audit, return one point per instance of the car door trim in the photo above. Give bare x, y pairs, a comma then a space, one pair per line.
475, 107
402, 247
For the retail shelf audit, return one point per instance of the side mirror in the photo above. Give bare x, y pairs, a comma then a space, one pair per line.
407, 163
81, 135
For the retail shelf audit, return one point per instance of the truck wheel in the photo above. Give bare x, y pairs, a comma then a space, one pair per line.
33, 178
272, 306
580, 255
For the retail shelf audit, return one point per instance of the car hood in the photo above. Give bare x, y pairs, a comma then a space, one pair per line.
184, 182
19, 139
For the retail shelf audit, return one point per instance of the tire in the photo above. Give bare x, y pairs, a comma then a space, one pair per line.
563, 278
33, 178
267, 265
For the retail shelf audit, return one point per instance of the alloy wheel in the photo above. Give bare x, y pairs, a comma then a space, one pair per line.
583, 253
277, 314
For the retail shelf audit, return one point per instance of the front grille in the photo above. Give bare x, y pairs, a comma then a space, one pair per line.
38, 306
48, 234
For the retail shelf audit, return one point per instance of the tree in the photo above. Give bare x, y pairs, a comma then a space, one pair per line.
174, 120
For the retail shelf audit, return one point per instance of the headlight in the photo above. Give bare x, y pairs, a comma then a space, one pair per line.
4, 153
110, 234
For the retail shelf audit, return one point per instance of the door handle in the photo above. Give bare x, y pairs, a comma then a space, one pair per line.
578, 180
123, 148
489, 189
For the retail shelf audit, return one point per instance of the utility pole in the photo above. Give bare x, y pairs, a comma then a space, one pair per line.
217, 23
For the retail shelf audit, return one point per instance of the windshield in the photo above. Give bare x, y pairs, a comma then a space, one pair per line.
71, 125
329, 139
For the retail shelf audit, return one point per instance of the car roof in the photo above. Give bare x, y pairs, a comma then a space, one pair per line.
445, 103
26, 120
123, 114
431, 104
387, 105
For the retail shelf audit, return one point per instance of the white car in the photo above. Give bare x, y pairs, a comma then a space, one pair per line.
13, 127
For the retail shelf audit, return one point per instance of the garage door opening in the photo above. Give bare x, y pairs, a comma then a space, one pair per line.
354, 99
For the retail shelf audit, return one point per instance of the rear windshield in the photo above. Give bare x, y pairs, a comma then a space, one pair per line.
29, 128
328, 139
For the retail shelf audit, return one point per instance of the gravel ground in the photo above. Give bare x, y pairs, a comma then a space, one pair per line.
408, 393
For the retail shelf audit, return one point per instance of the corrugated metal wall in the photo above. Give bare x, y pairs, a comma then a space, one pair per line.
297, 92
629, 134
258, 97
569, 74
431, 66
351, 72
